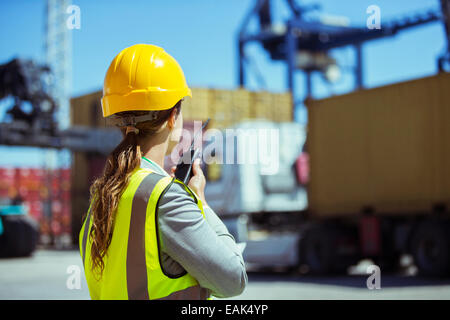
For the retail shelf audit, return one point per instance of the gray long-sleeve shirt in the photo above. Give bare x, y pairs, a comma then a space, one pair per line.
201, 246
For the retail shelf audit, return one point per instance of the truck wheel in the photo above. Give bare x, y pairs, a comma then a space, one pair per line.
20, 236
319, 250
430, 246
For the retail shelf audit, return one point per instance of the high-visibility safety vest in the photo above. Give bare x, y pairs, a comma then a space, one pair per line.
132, 263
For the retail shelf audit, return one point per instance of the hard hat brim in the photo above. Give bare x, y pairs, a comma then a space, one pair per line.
143, 100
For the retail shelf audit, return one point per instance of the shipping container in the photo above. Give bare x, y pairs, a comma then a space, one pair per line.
225, 107
45, 194
221, 108
197, 107
282, 110
384, 150
86, 110
262, 105
241, 105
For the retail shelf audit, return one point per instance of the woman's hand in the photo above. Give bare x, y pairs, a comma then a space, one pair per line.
197, 182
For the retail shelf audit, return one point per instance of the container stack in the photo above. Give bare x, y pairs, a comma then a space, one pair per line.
262, 105
47, 197
7, 183
197, 107
241, 105
282, 107
383, 148
220, 104
224, 107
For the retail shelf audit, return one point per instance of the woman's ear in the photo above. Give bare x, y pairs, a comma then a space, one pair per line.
172, 119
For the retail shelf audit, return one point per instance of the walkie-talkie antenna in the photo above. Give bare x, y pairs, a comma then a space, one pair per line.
193, 140
198, 132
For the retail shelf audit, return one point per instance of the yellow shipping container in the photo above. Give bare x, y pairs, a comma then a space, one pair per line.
386, 149
224, 107
197, 107
220, 108
262, 105
241, 105
282, 107
86, 110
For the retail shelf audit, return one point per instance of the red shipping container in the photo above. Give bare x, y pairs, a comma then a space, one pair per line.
44, 193
23, 172
65, 196
25, 176
56, 185
33, 195
65, 185
60, 196
7, 173
66, 211
6, 183
7, 176
36, 174
66, 174
4, 193
66, 223
56, 227
23, 191
34, 185
44, 226
29, 183
56, 194
56, 207
36, 212
12, 192
36, 205
36, 209
55, 176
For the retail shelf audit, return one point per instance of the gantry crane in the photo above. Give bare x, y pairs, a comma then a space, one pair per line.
303, 44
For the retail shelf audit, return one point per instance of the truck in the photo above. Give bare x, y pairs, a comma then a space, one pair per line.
377, 187
18, 231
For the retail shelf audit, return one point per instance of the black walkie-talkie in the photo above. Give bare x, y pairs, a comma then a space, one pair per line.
183, 171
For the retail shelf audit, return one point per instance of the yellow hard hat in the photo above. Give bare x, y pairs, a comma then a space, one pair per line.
143, 77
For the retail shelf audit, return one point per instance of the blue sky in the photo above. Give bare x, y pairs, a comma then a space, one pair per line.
201, 35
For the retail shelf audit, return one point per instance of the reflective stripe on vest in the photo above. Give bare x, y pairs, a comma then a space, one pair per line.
132, 264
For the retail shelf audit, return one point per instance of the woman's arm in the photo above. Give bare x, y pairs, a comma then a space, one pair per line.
202, 246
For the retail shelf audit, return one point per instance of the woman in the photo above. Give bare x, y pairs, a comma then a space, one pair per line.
146, 234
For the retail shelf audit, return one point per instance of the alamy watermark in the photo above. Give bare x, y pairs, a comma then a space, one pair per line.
74, 19
374, 280
73, 281
254, 146
374, 20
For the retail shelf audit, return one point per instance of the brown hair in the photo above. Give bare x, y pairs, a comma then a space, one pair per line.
106, 190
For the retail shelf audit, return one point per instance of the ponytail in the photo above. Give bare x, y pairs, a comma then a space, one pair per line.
106, 192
